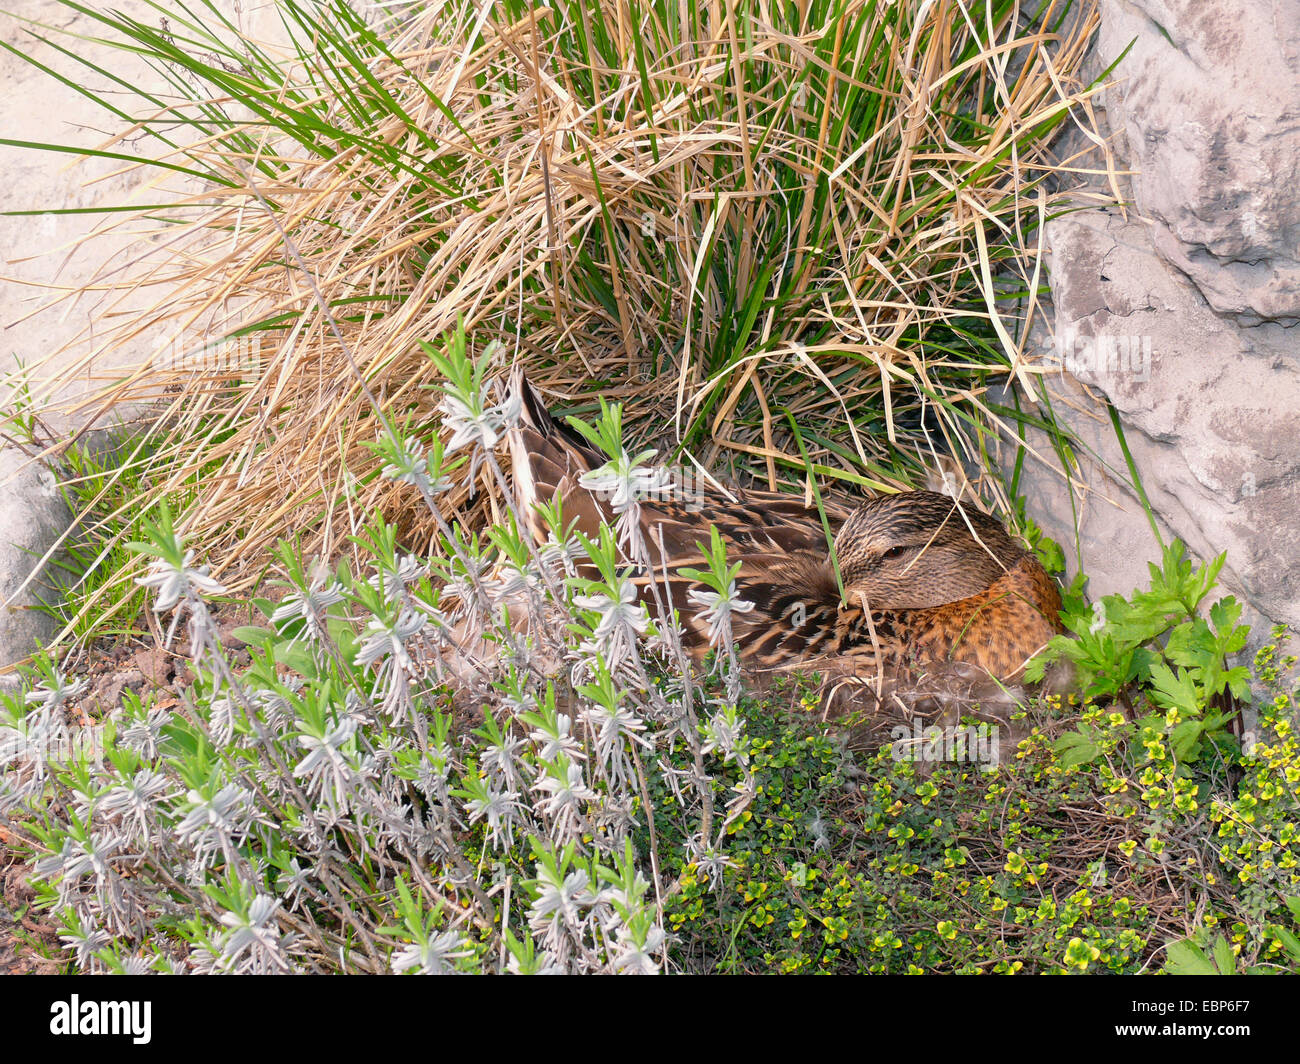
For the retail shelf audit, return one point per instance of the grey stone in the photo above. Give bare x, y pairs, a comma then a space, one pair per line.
1180, 309
33, 517
1208, 104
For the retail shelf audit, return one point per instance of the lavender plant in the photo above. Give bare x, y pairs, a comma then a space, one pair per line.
426, 765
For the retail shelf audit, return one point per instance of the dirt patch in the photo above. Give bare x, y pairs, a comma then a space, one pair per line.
29, 943
29, 940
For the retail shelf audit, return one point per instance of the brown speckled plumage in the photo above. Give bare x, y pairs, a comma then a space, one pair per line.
926, 582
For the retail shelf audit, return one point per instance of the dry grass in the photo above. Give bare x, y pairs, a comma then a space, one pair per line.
733, 220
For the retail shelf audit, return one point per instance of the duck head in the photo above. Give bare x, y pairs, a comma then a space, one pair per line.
919, 550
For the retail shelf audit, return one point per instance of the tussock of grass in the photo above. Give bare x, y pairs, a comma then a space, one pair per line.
731, 220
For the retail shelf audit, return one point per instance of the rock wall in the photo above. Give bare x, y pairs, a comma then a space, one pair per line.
35, 517
1182, 307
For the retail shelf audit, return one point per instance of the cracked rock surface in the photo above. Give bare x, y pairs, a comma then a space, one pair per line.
35, 517
1181, 310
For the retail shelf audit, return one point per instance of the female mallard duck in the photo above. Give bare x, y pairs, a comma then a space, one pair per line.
925, 580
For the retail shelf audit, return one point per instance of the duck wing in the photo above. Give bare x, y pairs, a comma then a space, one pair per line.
780, 542
548, 457
794, 613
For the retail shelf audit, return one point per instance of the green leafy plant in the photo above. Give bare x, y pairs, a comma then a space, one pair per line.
1156, 645
105, 483
1192, 955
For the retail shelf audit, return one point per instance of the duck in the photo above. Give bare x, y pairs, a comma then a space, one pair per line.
924, 582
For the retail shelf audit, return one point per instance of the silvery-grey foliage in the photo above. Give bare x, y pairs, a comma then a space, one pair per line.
348, 801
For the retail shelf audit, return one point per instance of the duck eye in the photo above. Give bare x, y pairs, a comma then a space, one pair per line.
893, 552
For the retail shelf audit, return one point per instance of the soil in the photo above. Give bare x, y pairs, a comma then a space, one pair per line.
29, 941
